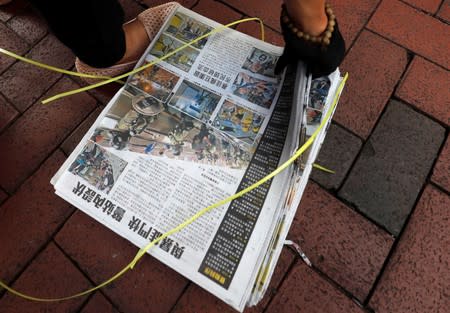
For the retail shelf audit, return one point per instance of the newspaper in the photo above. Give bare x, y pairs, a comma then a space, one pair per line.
194, 129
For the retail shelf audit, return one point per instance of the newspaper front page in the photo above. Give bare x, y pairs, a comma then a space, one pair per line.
205, 123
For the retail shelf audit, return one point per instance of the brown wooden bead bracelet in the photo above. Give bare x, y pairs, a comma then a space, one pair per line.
324, 38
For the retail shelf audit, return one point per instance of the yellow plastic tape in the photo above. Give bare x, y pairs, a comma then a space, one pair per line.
107, 79
110, 80
51, 68
323, 168
143, 250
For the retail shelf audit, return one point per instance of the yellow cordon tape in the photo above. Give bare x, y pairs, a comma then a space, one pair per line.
322, 168
51, 68
110, 80
189, 221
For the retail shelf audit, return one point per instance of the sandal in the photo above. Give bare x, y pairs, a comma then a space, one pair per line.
152, 19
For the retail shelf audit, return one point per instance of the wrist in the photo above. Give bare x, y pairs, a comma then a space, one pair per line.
309, 15
323, 37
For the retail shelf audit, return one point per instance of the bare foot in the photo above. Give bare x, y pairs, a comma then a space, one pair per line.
136, 39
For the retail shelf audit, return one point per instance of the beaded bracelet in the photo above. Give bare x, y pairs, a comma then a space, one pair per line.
323, 38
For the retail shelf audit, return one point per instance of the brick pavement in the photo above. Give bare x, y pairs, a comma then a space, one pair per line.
377, 231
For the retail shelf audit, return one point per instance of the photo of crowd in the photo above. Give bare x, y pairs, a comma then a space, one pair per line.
166, 133
318, 93
261, 62
254, 90
195, 101
155, 81
238, 122
187, 29
183, 59
98, 167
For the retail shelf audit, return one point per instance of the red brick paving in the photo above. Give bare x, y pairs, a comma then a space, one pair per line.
51, 274
430, 6
150, 287
7, 113
352, 16
416, 279
268, 11
338, 241
196, 299
376, 65
254, 29
12, 42
441, 172
98, 304
12, 82
304, 291
414, 30
30, 218
72, 141
12, 9
23, 150
347, 249
444, 11
29, 25
424, 85
216, 11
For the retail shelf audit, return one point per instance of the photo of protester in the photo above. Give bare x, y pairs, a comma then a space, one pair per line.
318, 93
187, 29
255, 90
313, 117
195, 101
98, 167
155, 81
238, 122
261, 62
166, 133
183, 59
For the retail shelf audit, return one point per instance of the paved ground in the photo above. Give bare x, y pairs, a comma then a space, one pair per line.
377, 232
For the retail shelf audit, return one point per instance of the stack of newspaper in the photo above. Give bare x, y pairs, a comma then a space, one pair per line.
205, 123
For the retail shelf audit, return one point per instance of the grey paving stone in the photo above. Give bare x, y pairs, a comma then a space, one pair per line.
337, 153
393, 166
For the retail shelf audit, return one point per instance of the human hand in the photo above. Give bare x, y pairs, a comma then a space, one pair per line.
320, 59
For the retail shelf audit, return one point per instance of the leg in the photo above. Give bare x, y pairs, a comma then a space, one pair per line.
94, 31
91, 29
